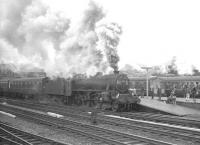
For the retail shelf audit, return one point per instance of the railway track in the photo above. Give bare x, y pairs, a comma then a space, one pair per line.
98, 135
13, 136
156, 128
160, 118
169, 119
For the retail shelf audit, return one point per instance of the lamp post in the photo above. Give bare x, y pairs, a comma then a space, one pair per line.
147, 79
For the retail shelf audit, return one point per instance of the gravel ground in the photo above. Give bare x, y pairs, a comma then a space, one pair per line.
62, 136
43, 130
146, 134
139, 133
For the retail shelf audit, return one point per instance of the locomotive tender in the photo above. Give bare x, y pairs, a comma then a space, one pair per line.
107, 91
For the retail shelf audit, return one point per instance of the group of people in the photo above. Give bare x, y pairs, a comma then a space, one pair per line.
172, 97
190, 91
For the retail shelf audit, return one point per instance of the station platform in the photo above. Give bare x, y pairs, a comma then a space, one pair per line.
169, 108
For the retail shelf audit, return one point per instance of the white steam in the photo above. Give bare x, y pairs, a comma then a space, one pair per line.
32, 35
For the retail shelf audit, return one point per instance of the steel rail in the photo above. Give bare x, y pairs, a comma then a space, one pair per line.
155, 128
13, 135
169, 119
103, 134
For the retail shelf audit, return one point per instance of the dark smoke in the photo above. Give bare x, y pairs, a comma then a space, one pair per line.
34, 36
110, 36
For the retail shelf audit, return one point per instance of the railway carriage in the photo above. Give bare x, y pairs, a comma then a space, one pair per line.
180, 82
163, 85
22, 87
139, 83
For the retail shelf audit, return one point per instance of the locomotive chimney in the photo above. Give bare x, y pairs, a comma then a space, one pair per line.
116, 72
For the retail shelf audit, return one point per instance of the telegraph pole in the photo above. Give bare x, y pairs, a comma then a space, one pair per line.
147, 79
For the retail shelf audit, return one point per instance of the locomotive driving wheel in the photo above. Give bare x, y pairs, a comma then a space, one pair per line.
115, 106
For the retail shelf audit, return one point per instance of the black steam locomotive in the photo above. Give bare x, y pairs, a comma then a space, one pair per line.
107, 91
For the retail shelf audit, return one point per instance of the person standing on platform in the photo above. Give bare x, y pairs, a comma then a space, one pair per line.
159, 93
187, 92
193, 93
152, 93
174, 95
196, 92
142, 92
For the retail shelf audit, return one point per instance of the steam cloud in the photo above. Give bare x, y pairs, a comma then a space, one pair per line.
110, 36
32, 35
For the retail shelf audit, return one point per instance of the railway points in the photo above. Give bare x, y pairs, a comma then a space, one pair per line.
12, 136
154, 117
96, 133
147, 126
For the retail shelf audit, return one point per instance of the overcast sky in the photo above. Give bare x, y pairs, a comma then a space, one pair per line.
156, 30
153, 30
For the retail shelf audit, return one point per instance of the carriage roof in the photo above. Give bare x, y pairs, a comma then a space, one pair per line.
143, 78
27, 79
180, 78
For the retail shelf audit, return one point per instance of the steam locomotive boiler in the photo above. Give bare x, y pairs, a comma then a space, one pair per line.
108, 91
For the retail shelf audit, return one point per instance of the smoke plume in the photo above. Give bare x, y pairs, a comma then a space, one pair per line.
110, 36
34, 36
